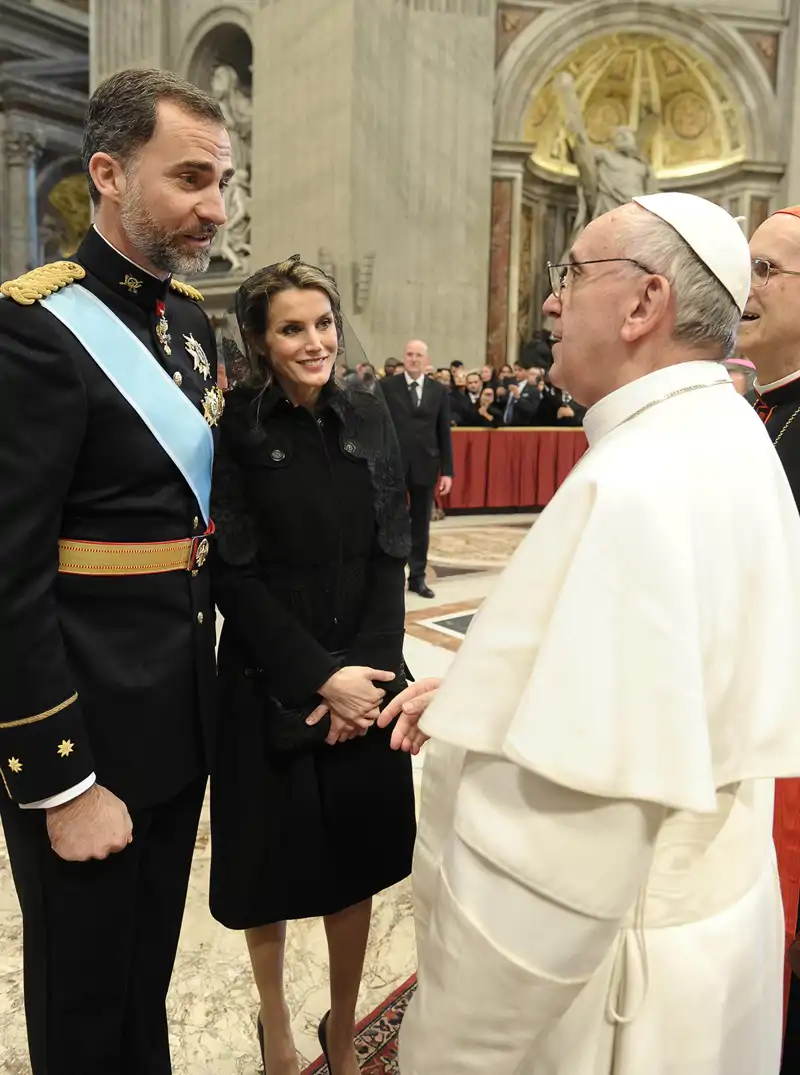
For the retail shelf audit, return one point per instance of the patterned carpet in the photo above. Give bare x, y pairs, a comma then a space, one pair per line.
376, 1036
479, 548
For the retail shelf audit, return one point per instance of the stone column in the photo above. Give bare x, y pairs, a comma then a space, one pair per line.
21, 151
125, 35
381, 167
507, 246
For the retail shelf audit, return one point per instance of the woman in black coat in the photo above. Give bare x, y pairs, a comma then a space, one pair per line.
312, 537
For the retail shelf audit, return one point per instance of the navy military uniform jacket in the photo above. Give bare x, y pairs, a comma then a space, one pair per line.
111, 675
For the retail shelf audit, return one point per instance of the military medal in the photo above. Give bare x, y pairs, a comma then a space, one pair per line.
203, 549
213, 405
201, 363
132, 283
162, 328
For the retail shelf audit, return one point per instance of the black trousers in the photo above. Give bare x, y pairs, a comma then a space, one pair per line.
100, 940
420, 505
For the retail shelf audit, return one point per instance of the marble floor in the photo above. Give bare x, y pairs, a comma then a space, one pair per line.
213, 1002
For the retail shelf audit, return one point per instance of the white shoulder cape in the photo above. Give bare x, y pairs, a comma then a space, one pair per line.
644, 642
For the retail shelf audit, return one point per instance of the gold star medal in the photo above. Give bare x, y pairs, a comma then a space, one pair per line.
201, 363
162, 328
213, 405
65, 748
15, 765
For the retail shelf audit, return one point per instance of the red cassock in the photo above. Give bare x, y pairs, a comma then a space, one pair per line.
786, 833
786, 825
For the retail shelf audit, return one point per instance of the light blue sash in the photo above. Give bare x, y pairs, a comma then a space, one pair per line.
171, 417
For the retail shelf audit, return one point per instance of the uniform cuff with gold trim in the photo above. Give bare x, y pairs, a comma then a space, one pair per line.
46, 754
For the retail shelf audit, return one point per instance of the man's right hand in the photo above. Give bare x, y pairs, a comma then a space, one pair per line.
353, 695
407, 708
92, 826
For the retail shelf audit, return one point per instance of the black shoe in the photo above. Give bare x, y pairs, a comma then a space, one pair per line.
322, 1034
260, 1027
421, 588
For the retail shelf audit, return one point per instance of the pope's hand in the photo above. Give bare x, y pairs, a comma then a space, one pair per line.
408, 707
92, 826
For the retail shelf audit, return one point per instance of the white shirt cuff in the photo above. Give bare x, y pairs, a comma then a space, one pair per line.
62, 797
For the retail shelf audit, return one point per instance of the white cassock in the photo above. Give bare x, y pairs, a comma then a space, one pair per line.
595, 882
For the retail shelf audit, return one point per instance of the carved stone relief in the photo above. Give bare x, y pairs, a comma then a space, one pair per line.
233, 240
767, 48
21, 148
511, 22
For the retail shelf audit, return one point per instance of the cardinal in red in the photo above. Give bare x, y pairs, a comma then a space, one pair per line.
770, 338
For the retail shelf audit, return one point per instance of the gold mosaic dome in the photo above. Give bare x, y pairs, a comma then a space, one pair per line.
679, 104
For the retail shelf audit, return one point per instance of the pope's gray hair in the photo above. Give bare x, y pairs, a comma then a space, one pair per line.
706, 315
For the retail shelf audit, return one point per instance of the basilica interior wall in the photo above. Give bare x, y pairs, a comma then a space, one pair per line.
44, 83
386, 173
418, 176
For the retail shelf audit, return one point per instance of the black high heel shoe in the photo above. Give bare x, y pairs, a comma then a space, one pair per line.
322, 1034
260, 1028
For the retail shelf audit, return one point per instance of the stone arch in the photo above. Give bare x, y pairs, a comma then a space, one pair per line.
224, 35
552, 37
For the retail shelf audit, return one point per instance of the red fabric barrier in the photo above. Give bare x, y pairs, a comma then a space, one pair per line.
470, 461
511, 468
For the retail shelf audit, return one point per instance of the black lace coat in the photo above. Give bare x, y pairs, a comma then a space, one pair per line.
312, 537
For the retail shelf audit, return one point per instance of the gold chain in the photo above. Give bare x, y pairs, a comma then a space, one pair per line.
654, 403
672, 395
777, 440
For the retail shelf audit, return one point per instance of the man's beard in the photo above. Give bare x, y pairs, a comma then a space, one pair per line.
162, 248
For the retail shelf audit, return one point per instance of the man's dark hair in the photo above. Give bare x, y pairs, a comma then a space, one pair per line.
121, 115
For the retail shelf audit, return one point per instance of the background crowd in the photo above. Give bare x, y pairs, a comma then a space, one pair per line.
489, 398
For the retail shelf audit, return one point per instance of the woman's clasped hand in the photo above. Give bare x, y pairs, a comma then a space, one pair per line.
353, 701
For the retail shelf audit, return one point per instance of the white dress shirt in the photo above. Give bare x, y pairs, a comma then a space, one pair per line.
419, 382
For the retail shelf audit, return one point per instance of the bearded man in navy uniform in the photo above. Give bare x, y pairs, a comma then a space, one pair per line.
106, 621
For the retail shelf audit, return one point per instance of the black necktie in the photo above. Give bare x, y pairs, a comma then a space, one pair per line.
415, 393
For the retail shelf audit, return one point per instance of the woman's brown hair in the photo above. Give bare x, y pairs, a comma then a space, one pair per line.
252, 311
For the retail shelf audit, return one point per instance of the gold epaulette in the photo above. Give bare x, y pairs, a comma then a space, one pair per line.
39, 283
186, 290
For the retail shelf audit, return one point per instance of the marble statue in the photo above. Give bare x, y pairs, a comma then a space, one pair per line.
608, 178
233, 241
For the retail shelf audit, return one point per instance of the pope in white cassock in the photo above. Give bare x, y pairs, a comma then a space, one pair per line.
595, 881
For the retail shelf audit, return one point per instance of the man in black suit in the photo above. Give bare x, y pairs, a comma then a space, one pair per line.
525, 398
420, 409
